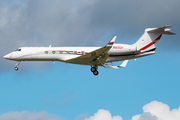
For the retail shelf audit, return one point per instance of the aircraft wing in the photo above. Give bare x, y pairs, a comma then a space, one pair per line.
97, 57
116, 67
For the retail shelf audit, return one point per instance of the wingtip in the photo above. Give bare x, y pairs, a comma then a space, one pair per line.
111, 42
113, 39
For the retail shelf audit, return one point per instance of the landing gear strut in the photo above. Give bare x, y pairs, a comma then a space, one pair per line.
16, 68
94, 70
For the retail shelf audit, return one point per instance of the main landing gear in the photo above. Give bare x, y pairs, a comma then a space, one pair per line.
94, 70
16, 68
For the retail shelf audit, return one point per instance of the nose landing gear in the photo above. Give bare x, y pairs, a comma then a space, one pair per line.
94, 70
16, 68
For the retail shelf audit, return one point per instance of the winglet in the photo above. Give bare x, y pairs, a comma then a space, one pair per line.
111, 42
124, 64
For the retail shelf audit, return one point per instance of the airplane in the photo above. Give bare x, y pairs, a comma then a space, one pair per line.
94, 56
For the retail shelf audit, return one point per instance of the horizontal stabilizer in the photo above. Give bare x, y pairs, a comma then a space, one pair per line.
116, 67
168, 33
164, 29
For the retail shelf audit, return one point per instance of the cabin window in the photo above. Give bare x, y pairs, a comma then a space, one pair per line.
46, 52
75, 52
53, 52
60, 52
82, 52
68, 52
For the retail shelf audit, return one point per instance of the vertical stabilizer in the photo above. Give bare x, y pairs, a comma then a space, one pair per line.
149, 40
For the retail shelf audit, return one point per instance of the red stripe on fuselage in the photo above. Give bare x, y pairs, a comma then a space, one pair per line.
150, 44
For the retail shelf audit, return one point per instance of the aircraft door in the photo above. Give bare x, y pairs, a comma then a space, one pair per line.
33, 53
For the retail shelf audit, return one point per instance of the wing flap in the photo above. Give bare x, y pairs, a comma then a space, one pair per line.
103, 58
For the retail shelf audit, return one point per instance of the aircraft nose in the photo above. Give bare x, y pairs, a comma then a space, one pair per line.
8, 56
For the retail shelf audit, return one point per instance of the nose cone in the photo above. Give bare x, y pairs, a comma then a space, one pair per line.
8, 56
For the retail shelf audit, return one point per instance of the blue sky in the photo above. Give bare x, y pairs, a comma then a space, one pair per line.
43, 90
72, 90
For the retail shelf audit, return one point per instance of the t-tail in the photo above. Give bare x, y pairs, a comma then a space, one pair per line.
149, 40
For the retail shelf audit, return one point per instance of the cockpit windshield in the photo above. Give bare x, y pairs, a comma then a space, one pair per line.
18, 49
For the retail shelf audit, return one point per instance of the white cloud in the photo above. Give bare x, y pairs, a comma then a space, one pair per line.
28, 116
81, 117
152, 111
158, 111
103, 115
145, 116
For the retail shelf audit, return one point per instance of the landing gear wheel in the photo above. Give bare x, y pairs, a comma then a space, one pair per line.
95, 72
93, 69
16, 68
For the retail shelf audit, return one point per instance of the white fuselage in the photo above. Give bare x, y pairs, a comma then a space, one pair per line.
118, 52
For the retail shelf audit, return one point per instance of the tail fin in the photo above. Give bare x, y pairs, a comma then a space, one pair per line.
149, 40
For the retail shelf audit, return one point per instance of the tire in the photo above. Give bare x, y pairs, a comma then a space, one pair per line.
93, 69
16, 68
95, 72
